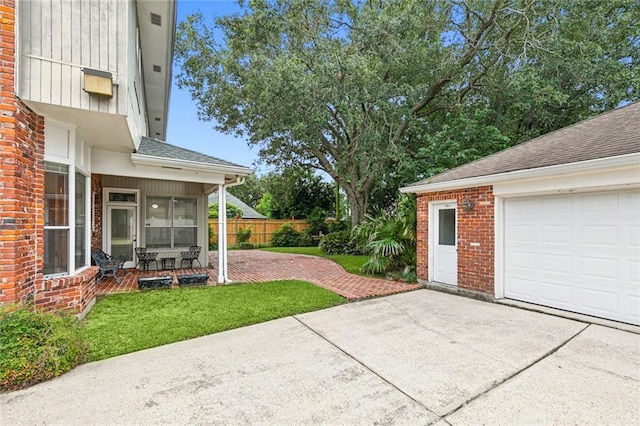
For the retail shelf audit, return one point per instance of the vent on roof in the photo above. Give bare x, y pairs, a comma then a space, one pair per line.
157, 68
156, 19
158, 119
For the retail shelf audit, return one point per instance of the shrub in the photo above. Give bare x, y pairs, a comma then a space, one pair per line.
317, 222
243, 235
233, 211
286, 236
37, 346
338, 243
390, 238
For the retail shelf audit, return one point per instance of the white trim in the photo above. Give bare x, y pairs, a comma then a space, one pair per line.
498, 249
590, 166
106, 203
431, 237
187, 165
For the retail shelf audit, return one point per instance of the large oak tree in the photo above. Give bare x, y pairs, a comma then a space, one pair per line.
360, 88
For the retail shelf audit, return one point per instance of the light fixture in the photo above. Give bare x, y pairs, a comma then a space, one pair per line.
154, 205
467, 204
98, 82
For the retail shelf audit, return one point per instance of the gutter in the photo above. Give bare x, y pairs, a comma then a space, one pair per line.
621, 161
150, 160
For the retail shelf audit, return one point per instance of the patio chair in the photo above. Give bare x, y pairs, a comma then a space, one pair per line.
108, 264
145, 258
190, 256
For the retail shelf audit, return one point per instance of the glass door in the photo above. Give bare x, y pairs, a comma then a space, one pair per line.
121, 233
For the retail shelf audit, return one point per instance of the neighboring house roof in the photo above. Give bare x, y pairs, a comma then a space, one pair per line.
611, 134
247, 212
161, 149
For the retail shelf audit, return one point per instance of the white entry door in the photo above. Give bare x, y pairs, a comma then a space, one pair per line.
445, 256
121, 233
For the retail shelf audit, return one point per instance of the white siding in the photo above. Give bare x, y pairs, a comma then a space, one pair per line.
57, 38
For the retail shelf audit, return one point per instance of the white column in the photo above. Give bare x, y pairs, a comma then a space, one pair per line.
222, 234
224, 253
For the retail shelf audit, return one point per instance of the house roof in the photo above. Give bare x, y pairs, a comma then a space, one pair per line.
247, 212
611, 134
161, 149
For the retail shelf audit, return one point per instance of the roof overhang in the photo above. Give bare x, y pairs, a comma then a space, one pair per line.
176, 164
603, 164
157, 46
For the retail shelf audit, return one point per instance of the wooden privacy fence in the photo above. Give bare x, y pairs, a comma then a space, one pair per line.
261, 229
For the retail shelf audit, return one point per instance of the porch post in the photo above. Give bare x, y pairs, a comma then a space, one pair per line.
224, 240
222, 234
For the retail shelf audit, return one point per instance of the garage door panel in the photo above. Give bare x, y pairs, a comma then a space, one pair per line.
551, 206
603, 202
556, 263
521, 234
599, 301
605, 236
579, 252
555, 234
599, 267
633, 236
557, 293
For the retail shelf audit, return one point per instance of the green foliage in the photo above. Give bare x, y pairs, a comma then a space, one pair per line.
317, 222
36, 346
390, 238
243, 235
265, 205
124, 323
380, 94
233, 211
250, 192
339, 243
287, 236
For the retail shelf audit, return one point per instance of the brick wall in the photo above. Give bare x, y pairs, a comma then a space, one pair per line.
21, 177
22, 197
475, 263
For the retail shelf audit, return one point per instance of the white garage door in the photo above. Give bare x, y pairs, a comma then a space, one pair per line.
579, 252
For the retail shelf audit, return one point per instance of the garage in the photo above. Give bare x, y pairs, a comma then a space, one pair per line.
576, 251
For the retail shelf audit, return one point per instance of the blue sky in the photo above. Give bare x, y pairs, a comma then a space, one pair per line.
184, 128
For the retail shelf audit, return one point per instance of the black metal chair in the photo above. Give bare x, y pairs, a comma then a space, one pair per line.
190, 256
108, 264
145, 258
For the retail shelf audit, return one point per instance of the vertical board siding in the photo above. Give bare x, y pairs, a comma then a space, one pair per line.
60, 37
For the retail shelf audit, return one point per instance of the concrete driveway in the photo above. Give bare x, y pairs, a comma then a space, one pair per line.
415, 358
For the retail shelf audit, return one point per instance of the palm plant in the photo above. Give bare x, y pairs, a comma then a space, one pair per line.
389, 238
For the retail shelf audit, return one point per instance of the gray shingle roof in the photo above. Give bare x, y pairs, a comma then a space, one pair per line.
611, 134
156, 148
247, 212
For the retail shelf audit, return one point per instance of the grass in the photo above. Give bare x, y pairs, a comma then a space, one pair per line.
351, 263
124, 323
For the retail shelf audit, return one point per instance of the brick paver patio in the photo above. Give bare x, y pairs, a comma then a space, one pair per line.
257, 266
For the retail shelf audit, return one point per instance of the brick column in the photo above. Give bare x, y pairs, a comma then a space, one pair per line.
21, 177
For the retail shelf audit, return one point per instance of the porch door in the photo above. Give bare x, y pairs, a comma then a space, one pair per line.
121, 232
445, 268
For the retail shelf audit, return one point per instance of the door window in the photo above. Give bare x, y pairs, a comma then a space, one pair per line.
447, 227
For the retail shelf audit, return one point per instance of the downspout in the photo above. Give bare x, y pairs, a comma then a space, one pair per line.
223, 272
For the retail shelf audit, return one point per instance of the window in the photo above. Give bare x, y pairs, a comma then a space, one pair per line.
81, 221
56, 219
171, 222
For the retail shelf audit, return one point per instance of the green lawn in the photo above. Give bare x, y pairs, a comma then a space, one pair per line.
350, 263
124, 323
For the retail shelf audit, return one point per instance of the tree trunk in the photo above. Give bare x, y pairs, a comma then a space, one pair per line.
358, 202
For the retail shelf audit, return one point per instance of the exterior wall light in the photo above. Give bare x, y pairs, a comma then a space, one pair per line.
98, 82
467, 204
